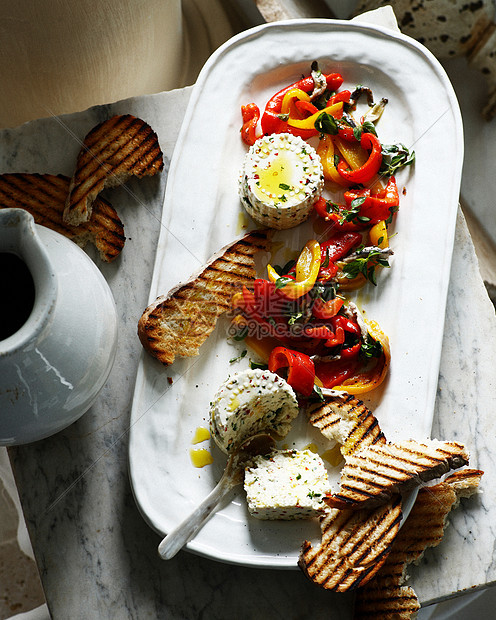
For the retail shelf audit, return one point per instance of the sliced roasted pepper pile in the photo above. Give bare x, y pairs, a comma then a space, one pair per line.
297, 319
274, 120
297, 323
352, 156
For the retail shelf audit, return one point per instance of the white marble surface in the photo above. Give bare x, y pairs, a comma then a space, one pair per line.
97, 556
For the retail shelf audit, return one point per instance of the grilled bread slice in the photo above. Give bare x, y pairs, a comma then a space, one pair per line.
178, 323
372, 475
385, 597
346, 420
353, 547
44, 196
112, 152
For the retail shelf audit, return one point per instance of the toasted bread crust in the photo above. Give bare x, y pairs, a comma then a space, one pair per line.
121, 147
44, 196
348, 421
375, 473
384, 597
178, 323
354, 545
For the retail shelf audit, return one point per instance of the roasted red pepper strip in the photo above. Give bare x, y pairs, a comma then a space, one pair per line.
325, 310
343, 95
321, 209
271, 123
328, 272
351, 352
339, 245
365, 173
337, 340
335, 373
306, 107
335, 248
379, 206
346, 132
301, 369
345, 323
251, 115
322, 332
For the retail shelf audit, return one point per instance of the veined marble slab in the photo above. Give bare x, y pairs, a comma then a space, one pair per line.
97, 556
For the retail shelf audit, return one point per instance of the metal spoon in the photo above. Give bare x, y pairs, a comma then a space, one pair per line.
232, 476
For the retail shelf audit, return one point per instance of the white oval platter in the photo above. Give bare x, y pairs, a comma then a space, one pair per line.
202, 213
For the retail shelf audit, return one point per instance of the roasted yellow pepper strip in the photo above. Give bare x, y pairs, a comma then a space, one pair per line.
378, 235
349, 284
325, 150
354, 155
289, 97
369, 380
309, 122
307, 270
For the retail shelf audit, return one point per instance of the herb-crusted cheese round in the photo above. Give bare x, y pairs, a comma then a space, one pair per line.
286, 484
248, 403
280, 180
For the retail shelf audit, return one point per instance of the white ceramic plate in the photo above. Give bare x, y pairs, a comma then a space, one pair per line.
202, 213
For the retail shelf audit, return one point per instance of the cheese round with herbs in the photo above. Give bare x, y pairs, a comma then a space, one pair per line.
280, 180
287, 485
251, 402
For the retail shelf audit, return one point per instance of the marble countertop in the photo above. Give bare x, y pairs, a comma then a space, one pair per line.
96, 554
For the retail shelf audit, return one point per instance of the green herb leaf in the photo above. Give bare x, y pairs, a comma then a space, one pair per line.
371, 347
281, 282
347, 215
357, 132
318, 393
326, 123
366, 265
294, 317
395, 157
356, 203
325, 291
369, 127
312, 494
260, 365
284, 186
240, 357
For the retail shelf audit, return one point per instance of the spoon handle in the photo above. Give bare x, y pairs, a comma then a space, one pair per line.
185, 531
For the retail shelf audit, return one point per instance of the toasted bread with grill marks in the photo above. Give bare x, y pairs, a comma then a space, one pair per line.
349, 422
178, 323
354, 545
44, 196
385, 597
112, 152
373, 474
